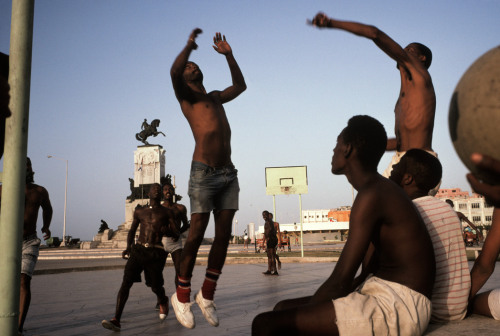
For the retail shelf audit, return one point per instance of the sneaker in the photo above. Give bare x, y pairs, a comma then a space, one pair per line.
274, 273
267, 273
183, 312
163, 311
208, 309
113, 324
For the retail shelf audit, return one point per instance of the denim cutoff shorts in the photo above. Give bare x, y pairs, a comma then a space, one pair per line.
213, 188
30, 251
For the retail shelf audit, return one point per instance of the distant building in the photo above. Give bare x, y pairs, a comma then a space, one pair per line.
319, 226
474, 206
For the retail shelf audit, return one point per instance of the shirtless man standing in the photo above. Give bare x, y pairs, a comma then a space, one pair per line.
278, 236
147, 254
213, 183
416, 105
271, 241
396, 284
36, 197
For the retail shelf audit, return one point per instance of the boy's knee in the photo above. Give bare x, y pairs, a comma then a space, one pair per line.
263, 325
279, 306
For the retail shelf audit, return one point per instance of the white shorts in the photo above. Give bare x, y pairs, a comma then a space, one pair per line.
170, 245
494, 303
397, 157
381, 307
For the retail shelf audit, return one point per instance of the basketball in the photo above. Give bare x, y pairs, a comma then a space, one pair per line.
474, 115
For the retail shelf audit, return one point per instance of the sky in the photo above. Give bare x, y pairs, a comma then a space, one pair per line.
100, 67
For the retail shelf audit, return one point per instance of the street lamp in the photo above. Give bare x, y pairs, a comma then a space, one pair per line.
63, 243
235, 229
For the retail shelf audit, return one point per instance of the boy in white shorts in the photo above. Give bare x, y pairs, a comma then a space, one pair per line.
386, 234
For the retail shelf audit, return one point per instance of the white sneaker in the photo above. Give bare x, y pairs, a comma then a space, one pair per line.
183, 312
208, 309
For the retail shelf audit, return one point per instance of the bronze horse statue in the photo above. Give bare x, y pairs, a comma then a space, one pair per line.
148, 130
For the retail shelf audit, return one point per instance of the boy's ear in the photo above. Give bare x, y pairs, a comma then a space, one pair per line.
348, 150
407, 179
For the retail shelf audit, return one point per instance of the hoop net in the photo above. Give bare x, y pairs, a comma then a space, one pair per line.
288, 190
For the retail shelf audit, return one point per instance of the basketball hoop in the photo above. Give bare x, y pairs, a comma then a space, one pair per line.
287, 190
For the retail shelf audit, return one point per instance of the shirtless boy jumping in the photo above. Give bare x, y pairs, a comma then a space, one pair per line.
387, 232
213, 183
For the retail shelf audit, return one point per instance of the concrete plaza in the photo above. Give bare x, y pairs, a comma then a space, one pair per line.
74, 302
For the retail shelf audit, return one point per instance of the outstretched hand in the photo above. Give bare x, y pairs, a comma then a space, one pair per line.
490, 192
320, 20
192, 37
221, 45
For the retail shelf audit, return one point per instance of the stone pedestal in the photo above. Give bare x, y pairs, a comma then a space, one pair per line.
149, 165
149, 168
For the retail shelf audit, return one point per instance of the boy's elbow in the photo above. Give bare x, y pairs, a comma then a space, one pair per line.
243, 87
375, 33
484, 268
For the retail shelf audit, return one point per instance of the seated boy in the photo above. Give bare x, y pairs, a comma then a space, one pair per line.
385, 229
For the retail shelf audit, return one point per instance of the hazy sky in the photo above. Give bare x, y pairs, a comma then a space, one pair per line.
100, 67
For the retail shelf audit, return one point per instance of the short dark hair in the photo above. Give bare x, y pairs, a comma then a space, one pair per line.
368, 136
424, 167
424, 50
168, 184
450, 202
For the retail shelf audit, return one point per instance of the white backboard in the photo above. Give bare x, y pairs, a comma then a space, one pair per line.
290, 180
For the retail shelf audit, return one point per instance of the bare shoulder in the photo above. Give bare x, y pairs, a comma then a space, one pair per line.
37, 189
139, 211
370, 202
181, 207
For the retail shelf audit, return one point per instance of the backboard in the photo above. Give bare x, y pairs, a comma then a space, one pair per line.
290, 180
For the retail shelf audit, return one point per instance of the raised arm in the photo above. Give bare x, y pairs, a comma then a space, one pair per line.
392, 144
182, 91
239, 85
46, 214
381, 39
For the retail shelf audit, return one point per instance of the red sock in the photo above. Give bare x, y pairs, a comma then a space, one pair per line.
183, 289
208, 288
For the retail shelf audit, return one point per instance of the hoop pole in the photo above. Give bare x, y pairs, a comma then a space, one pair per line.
301, 232
274, 208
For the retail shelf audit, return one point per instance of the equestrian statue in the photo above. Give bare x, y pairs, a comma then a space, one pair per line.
148, 130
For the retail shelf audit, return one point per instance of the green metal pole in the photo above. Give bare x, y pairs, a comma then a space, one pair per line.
14, 166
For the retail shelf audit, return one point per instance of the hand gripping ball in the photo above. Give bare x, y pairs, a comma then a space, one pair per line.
474, 116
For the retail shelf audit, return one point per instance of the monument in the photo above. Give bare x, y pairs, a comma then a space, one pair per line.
149, 168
